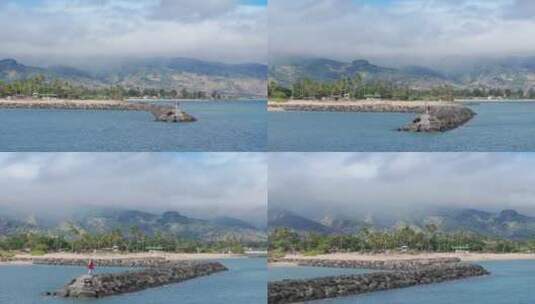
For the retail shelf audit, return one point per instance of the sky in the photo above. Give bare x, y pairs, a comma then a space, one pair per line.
407, 31
73, 32
203, 185
357, 184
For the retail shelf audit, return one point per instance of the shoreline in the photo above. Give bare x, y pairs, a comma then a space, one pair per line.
26, 259
464, 257
357, 105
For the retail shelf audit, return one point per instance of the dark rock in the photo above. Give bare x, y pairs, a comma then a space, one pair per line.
107, 284
440, 119
293, 291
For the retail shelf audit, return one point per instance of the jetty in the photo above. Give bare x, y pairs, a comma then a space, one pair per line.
432, 116
144, 273
390, 274
108, 284
161, 112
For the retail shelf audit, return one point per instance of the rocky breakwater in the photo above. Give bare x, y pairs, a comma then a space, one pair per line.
293, 291
440, 119
402, 265
163, 113
433, 116
169, 114
108, 284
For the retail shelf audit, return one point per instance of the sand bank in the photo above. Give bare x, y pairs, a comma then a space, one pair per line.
465, 257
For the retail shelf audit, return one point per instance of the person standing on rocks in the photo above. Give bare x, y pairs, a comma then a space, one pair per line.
90, 267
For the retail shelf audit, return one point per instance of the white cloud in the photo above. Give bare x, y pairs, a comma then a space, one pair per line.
60, 31
205, 185
411, 29
355, 183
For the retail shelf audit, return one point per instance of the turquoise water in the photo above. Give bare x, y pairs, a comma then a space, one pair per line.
511, 282
222, 126
244, 283
498, 127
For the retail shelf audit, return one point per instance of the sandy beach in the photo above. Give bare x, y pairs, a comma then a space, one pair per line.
278, 105
45, 102
465, 257
111, 256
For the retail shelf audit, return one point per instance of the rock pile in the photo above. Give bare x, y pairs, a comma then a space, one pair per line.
440, 119
293, 291
107, 284
166, 114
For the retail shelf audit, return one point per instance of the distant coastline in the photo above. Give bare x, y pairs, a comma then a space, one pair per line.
465, 257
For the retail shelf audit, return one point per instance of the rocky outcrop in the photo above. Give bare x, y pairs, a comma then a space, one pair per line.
166, 114
163, 113
107, 284
440, 119
293, 291
404, 264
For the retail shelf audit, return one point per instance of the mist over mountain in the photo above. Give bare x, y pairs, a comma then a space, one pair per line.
508, 224
107, 220
234, 80
514, 73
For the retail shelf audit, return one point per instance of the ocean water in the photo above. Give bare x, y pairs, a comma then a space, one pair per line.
498, 127
221, 126
511, 282
244, 283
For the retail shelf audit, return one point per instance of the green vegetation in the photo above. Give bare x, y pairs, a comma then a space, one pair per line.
354, 88
283, 240
40, 87
133, 241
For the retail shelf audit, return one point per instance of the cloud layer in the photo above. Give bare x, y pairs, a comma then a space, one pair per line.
316, 184
203, 185
409, 30
58, 31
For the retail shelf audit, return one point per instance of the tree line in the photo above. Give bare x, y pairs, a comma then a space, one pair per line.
135, 240
283, 240
355, 88
39, 86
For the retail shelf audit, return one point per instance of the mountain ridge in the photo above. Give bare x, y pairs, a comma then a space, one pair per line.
508, 223
167, 223
238, 80
511, 73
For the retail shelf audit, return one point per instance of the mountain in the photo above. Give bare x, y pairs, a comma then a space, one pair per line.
507, 224
290, 220
167, 223
237, 80
516, 73
286, 73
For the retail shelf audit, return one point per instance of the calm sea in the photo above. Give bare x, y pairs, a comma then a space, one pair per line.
244, 283
222, 126
497, 127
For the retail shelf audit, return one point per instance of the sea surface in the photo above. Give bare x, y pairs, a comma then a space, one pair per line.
510, 282
498, 127
221, 126
244, 283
